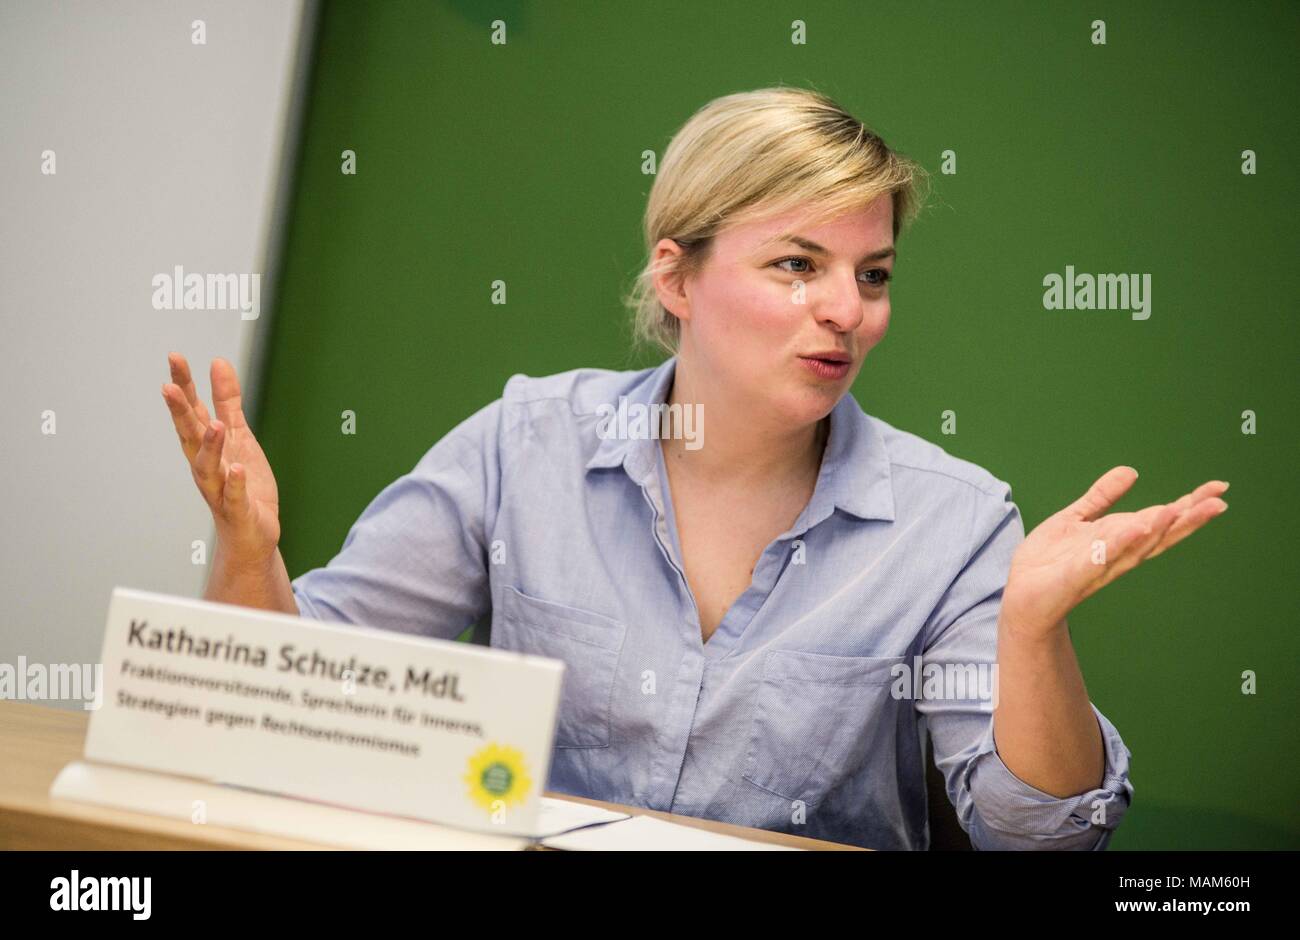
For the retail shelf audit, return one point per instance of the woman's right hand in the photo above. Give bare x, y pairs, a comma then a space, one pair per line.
227, 463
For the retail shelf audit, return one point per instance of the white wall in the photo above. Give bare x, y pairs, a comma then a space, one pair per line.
167, 153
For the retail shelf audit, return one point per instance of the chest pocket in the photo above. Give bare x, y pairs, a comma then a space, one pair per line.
818, 719
587, 643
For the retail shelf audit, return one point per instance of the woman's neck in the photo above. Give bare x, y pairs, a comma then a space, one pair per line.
739, 443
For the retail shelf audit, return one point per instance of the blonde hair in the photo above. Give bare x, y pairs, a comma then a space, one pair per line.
754, 155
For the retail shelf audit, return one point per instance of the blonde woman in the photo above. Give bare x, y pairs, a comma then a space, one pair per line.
762, 593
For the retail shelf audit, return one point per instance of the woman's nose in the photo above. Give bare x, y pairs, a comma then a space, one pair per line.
841, 306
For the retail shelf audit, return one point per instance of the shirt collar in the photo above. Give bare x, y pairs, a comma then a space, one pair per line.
855, 473
613, 451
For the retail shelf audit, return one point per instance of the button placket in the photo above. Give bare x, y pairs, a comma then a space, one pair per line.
763, 582
690, 675
642, 472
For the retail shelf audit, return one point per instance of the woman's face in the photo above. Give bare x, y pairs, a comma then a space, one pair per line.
786, 324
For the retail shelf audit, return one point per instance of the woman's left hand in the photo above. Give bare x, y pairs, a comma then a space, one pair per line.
1078, 551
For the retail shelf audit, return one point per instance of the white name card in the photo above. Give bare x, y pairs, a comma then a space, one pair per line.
348, 715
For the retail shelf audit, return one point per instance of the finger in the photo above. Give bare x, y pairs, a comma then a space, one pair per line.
188, 426
1204, 491
1147, 529
225, 394
1161, 520
1192, 500
1155, 522
1191, 520
1129, 536
235, 499
181, 376
208, 468
1103, 494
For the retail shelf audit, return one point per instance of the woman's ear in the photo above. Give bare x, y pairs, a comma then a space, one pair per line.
669, 279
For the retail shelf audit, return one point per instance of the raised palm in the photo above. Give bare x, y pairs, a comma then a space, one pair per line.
1078, 551
226, 461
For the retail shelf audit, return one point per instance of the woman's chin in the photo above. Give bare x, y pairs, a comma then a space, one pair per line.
810, 405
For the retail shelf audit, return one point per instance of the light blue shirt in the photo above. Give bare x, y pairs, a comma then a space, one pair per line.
796, 715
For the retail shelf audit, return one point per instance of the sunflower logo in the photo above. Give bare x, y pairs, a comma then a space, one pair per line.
497, 773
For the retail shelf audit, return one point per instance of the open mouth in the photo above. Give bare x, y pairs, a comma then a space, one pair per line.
827, 367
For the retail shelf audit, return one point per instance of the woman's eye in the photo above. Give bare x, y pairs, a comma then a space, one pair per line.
795, 260
879, 276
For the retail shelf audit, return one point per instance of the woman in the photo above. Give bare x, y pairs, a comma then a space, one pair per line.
763, 622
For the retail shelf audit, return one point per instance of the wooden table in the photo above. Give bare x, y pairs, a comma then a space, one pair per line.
36, 742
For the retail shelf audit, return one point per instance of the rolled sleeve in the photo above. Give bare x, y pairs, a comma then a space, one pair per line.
996, 808
416, 559
1010, 814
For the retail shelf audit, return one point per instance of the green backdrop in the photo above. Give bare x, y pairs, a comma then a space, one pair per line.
523, 162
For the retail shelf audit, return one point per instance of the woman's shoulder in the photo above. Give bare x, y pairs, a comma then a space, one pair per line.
581, 390
925, 462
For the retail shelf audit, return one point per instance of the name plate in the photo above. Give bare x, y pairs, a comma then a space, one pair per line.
349, 715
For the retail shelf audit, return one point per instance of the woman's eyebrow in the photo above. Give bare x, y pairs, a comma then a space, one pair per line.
812, 246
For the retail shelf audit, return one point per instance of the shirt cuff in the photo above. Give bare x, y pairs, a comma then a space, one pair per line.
1010, 814
306, 608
